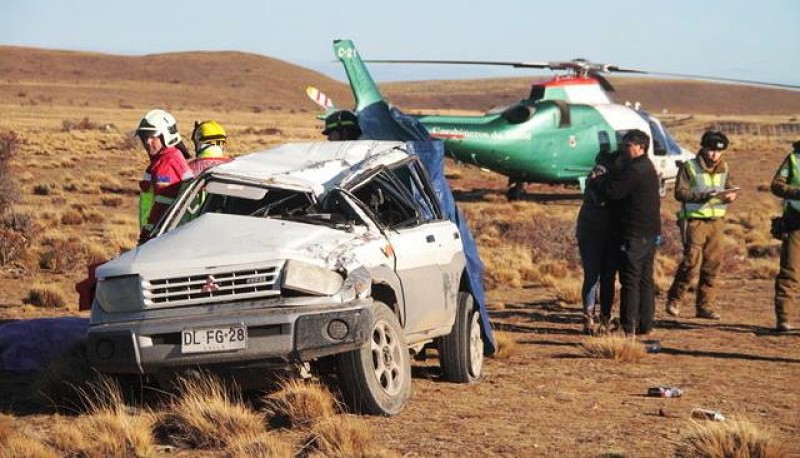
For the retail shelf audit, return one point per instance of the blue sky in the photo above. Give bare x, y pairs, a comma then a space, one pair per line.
734, 38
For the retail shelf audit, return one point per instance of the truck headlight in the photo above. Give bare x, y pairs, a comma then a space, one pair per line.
119, 294
310, 279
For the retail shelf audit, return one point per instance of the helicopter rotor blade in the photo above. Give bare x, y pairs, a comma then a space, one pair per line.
583, 67
461, 62
604, 83
726, 80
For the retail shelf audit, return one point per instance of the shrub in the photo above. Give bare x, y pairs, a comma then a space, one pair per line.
206, 415
262, 444
63, 254
732, 438
614, 347
506, 345
42, 189
46, 296
107, 429
113, 202
72, 218
299, 403
9, 144
27, 446
345, 436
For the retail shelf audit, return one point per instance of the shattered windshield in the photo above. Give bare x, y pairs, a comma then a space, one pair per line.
234, 198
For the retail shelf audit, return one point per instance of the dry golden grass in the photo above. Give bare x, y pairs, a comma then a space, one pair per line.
107, 429
299, 403
6, 427
21, 445
260, 445
506, 345
46, 296
568, 290
616, 347
763, 268
207, 415
733, 438
344, 436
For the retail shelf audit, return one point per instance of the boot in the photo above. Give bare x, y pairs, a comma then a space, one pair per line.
672, 308
605, 324
588, 324
707, 314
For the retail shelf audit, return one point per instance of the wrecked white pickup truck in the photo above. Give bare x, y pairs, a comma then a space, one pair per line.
334, 250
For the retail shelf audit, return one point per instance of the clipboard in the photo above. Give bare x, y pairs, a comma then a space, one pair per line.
726, 191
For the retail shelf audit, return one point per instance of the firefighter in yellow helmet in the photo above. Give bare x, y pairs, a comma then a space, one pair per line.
786, 184
209, 145
704, 188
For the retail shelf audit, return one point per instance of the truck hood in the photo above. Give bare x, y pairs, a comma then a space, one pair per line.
216, 240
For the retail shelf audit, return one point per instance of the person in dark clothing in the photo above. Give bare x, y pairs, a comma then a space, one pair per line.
636, 190
598, 245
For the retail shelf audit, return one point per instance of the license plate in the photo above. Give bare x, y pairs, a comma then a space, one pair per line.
205, 340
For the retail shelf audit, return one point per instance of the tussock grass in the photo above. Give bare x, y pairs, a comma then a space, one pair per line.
262, 444
299, 403
733, 438
506, 345
207, 415
763, 268
72, 217
6, 427
107, 429
616, 347
65, 382
344, 437
21, 445
46, 296
568, 290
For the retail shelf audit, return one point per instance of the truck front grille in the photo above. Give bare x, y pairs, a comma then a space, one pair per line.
213, 286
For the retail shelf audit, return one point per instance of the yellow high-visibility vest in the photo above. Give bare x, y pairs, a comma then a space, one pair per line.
702, 181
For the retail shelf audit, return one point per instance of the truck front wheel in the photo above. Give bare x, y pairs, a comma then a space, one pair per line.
376, 378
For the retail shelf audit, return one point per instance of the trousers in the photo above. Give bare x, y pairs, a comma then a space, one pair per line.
637, 298
788, 278
702, 253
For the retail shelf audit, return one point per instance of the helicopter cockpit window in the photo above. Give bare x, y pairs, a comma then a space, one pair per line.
517, 114
604, 141
390, 203
537, 92
659, 141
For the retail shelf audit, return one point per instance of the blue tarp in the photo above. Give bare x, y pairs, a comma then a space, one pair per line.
31, 345
380, 122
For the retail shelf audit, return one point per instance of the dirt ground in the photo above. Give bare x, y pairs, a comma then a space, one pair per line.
548, 398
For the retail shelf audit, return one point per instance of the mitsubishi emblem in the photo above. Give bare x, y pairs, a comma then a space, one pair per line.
210, 286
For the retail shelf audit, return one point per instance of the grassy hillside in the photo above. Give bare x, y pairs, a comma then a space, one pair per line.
229, 80
225, 80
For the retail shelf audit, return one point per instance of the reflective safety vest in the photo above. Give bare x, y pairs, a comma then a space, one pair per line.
794, 180
702, 181
161, 185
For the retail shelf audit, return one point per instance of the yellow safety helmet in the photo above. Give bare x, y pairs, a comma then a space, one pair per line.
208, 132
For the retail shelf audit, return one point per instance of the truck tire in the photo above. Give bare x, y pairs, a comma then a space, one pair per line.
376, 378
461, 351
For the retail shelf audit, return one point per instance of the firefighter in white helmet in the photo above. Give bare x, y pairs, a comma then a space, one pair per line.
168, 169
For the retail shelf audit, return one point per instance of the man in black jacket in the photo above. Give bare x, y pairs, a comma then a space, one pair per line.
635, 188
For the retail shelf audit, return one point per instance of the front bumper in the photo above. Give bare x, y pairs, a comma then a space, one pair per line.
277, 336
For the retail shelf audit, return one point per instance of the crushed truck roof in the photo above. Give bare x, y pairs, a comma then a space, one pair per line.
314, 167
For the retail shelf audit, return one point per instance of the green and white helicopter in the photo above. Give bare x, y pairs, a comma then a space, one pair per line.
553, 136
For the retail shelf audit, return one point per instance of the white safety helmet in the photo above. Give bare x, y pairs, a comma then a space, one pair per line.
159, 122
